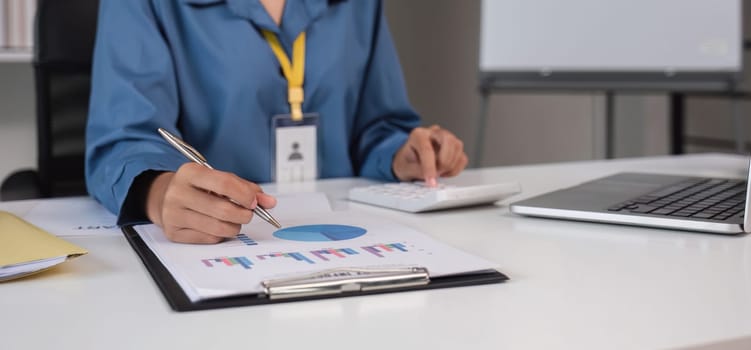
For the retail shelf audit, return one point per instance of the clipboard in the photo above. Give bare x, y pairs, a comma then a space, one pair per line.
277, 292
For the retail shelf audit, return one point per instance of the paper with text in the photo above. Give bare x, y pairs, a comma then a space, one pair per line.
73, 216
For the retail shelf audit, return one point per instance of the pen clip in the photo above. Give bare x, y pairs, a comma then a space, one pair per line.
345, 280
184, 148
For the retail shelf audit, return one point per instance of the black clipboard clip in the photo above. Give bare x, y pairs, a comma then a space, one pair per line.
345, 280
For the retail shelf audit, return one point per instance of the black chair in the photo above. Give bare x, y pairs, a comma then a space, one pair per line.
63, 44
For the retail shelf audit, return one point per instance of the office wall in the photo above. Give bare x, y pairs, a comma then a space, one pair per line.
17, 125
438, 46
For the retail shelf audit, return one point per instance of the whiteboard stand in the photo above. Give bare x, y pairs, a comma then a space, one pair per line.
738, 118
677, 122
739, 126
666, 46
677, 86
486, 92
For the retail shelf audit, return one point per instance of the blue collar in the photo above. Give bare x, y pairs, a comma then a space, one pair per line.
296, 18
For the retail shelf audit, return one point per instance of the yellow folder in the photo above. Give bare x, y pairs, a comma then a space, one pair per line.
27, 249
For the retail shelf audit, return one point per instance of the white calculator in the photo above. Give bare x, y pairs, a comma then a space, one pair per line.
415, 197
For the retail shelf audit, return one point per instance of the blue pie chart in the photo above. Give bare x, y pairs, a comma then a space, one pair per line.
319, 233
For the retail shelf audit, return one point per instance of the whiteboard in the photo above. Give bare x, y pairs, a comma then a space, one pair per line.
665, 36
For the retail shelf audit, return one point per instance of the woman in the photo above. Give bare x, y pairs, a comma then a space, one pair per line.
209, 70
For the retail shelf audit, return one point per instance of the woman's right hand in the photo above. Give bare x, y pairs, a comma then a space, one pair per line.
189, 207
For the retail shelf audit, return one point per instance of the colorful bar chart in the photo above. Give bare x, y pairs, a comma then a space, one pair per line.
379, 249
296, 255
228, 261
341, 253
327, 254
246, 240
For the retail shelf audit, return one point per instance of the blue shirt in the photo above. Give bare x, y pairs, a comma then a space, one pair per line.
202, 69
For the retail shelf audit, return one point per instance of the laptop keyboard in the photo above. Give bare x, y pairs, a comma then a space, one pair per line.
715, 199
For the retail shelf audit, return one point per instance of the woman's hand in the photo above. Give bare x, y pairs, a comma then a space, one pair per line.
429, 153
189, 207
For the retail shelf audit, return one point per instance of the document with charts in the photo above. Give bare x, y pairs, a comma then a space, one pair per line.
308, 243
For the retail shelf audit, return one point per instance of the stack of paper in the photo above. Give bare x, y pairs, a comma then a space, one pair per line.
27, 249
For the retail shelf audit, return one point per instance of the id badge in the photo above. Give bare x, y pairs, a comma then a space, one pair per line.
295, 148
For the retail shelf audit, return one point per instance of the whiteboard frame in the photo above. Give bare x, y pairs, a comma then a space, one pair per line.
719, 78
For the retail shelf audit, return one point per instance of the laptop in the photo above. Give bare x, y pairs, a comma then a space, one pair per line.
712, 205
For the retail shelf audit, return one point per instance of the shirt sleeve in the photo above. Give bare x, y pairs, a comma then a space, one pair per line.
385, 116
133, 93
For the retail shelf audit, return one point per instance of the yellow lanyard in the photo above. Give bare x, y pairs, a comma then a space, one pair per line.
294, 72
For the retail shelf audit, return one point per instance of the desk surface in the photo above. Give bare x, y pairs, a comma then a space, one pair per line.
573, 285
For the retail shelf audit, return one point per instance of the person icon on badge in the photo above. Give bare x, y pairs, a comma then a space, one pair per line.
295, 155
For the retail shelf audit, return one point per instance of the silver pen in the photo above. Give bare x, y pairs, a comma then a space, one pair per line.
193, 154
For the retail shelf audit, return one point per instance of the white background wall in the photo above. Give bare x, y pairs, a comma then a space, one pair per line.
438, 47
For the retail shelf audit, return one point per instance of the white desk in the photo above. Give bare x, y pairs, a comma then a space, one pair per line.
573, 286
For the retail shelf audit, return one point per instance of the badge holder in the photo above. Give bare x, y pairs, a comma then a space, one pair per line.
295, 148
